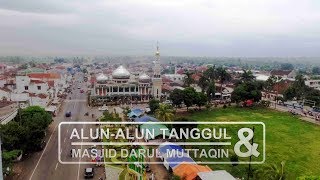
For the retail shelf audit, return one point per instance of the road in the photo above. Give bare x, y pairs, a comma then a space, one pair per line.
45, 164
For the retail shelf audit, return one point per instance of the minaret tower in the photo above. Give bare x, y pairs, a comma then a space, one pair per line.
157, 80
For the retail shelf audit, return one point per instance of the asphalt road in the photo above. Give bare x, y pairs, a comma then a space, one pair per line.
45, 165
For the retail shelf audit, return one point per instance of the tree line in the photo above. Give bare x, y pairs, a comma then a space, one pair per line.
25, 134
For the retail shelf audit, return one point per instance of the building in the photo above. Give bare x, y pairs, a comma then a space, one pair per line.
157, 80
313, 83
284, 74
125, 87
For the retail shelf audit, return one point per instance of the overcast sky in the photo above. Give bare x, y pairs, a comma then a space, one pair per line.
182, 27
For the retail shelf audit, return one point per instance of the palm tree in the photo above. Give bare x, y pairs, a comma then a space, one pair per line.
188, 80
272, 172
247, 76
211, 73
203, 83
165, 113
222, 76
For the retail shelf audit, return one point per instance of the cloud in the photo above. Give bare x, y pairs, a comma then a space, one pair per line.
195, 28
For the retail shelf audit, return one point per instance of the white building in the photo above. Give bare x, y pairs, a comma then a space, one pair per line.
313, 83
125, 87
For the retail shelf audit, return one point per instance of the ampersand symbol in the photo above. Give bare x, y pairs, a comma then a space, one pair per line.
252, 149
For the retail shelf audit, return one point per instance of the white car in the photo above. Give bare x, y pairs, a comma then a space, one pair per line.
167, 102
78, 87
103, 108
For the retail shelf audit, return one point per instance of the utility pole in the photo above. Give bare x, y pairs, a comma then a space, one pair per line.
249, 170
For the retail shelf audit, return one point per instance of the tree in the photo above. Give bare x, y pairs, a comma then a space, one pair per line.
203, 83
272, 172
271, 81
211, 90
165, 113
286, 66
200, 99
211, 73
188, 96
176, 96
27, 131
246, 91
222, 76
35, 116
316, 70
188, 80
13, 136
153, 105
298, 89
247, 76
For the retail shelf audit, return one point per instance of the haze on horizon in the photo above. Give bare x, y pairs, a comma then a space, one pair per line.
183, 28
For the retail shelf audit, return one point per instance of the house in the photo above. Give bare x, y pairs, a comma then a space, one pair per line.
313, 83
190, 171
284, 74
26, 84
5, 94
277, 90
3, 67
215, 175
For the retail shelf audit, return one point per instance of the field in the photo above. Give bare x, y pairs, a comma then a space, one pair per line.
288, 139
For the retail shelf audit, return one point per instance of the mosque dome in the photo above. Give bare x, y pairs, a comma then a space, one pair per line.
144, 78
121, 73
102, 77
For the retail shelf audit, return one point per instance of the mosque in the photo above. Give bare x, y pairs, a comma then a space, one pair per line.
123, 87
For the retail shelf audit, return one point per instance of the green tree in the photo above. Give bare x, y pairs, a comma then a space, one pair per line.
211, 90
200, 99
211, 73
188, 80
203, 83
176, 96
164, 113
316, 70
286, 66
271, 81
246, 91
35, 120
222, 76
188, 96
13, 136
247, 76
154, 105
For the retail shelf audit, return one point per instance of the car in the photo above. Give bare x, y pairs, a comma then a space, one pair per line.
78, 87
68, 114
103, 108
167, 102
88, 173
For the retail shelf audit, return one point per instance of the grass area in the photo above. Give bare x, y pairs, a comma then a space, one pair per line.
287, 139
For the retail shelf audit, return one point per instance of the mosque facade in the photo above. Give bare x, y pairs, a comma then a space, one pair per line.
124, 87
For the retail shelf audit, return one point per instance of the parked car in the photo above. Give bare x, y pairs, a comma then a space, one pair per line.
167, 102
68, 114
78, 87
103, 108
88, 173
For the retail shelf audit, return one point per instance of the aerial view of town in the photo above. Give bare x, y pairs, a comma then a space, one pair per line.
159, 90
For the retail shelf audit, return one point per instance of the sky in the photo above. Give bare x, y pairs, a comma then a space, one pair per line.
251, 28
